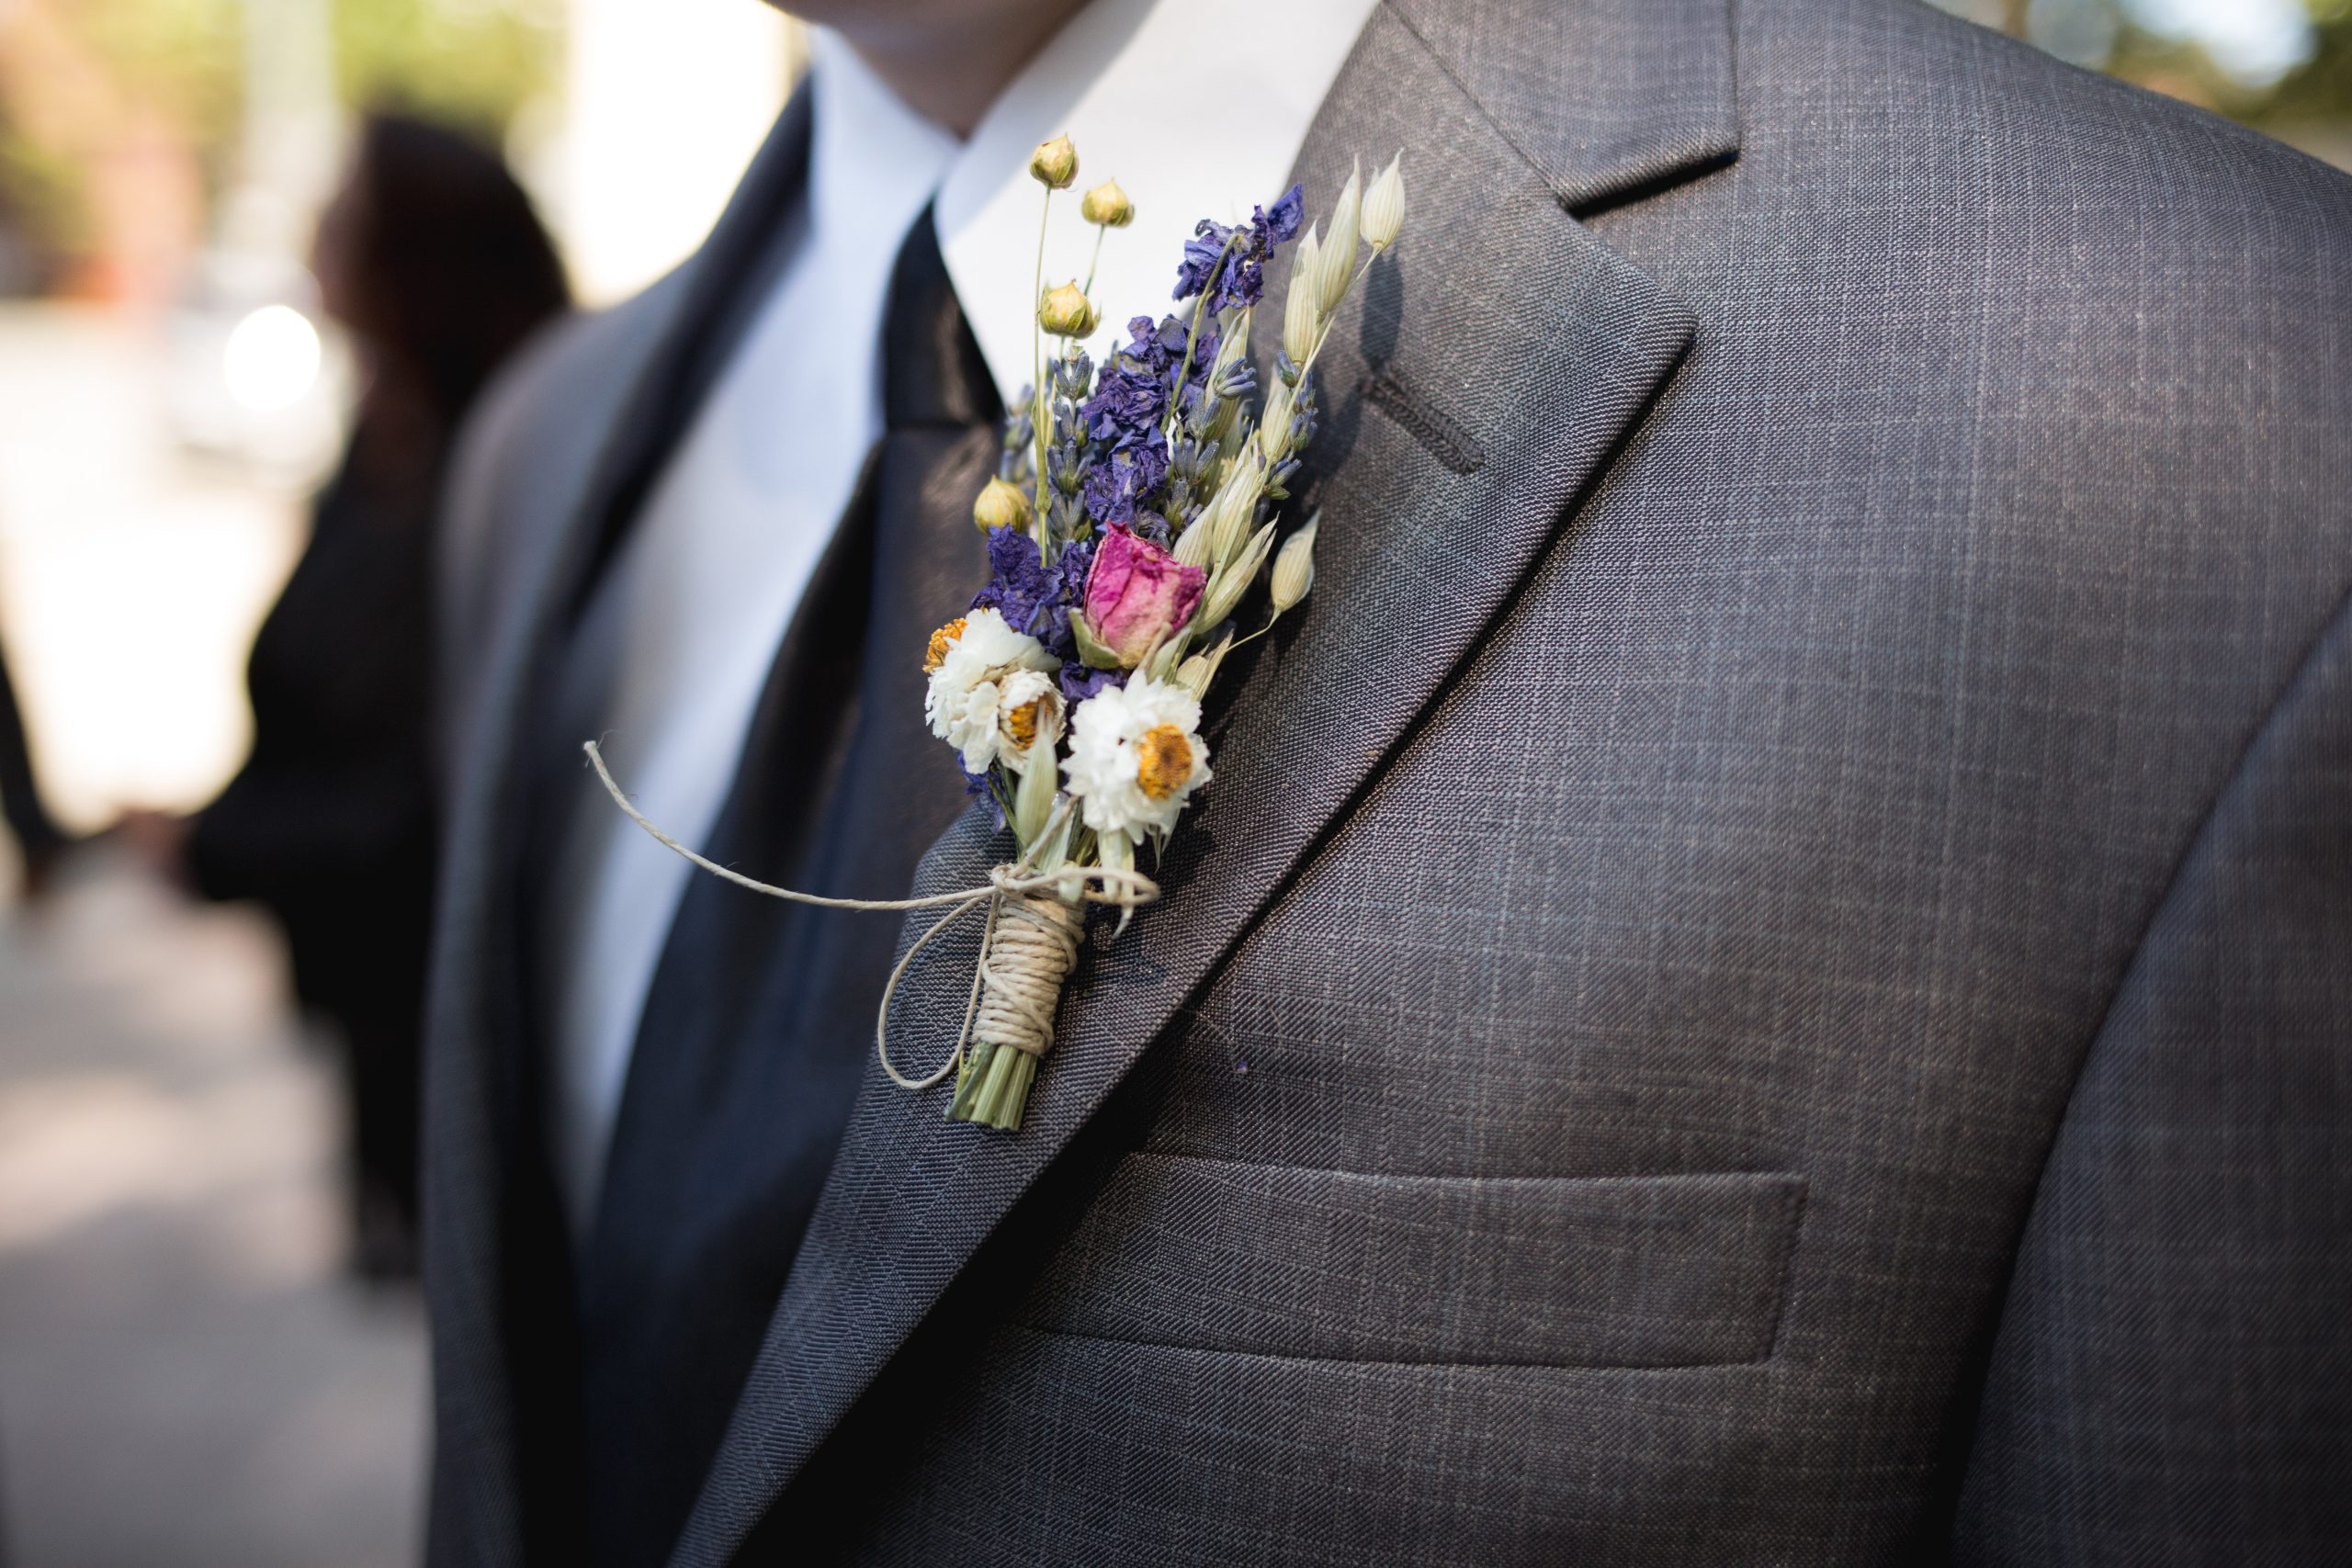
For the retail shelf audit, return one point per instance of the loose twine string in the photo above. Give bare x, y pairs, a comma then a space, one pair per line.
1027, 947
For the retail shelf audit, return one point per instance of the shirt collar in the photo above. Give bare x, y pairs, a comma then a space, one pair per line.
1197, 107
873, 161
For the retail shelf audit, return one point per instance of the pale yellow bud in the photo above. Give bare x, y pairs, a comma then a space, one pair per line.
1055, 163
1303, 309
1336, 260
1295, 567
1383, 206
1162, 664
1228, 516
1068, 312
1117, 851
1228, 585
1001, 506
1273, 428
1033, 797
1192, 546
1195, 673
1108, 205
1236, 344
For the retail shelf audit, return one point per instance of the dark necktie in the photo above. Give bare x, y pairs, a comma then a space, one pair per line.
760, 1017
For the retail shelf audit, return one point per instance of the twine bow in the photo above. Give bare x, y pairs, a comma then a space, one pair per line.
1023, 980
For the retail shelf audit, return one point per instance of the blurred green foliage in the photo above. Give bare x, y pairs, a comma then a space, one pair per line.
40, 206
182, 56
2321, 88
468, 63
2120, 38
473, 63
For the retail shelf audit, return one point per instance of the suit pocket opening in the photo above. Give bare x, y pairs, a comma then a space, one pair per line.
1634, 1271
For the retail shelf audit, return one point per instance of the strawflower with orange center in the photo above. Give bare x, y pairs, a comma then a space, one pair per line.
1022, 725
1029, 709
941, 641
1136, 757
1163, 761
969, 665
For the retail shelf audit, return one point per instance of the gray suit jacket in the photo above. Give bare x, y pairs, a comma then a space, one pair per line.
1767, 976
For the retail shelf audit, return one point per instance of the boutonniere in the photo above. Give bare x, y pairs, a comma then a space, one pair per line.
1137, 506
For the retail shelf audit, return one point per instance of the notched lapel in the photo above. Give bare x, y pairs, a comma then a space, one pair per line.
1607, 99
1470, 398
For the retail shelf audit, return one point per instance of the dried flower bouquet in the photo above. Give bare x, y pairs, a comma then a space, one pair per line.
1136, 506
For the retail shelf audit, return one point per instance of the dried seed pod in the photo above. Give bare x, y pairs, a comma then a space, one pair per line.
1055, 163
1107, 205
1001, 506
1066, 312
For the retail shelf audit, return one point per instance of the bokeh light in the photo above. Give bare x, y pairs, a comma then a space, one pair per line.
271, 359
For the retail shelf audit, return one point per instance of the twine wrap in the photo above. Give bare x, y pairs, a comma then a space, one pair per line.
1027, 949
1030, 953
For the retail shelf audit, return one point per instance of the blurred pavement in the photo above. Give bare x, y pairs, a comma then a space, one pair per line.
186, 1378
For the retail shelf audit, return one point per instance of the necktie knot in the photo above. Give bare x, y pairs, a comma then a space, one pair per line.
933, 372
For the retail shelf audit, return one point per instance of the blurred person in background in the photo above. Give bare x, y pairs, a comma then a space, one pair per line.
40, 841
432, 257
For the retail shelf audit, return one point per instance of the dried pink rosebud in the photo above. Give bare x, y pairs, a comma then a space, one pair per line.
1138, 595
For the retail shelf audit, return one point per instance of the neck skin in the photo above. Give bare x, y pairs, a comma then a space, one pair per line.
947, 59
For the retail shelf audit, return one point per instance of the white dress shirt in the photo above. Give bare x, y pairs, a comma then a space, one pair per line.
716, 564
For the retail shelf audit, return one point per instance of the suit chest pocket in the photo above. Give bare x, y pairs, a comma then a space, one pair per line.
1560, 1272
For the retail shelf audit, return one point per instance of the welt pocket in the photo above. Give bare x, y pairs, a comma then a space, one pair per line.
1558, 1272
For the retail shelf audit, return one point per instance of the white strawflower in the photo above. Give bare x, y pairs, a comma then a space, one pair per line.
969, 662
1136, 756
1028, 709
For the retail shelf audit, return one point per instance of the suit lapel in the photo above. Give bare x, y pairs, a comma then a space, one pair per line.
700, 309
701, 306
485, 1265
1470, 400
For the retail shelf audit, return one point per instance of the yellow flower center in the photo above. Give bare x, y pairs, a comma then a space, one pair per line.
941, 641
1021, 723
1164, 760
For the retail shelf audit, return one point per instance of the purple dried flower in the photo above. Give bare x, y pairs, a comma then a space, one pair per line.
1123, 476
1131, 395
1228, 266
1124, 418
1021, 589
1204, 259
1070, 570
1080, 682
1281, 225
